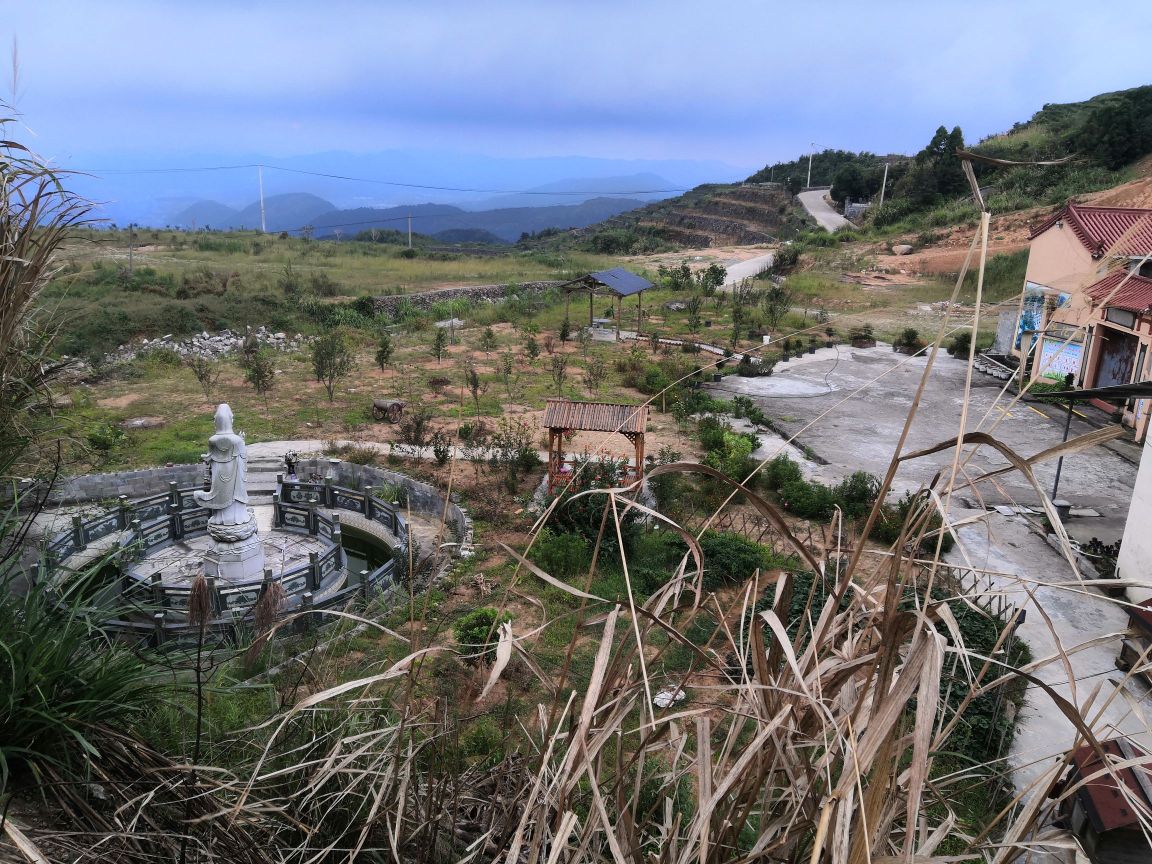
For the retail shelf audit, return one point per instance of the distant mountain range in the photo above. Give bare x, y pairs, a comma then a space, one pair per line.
507, 223
450, 224
286, 212
152, 188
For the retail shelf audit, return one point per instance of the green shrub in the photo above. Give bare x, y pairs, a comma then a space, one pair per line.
780, 471
59, 692
729, 558
106, 437
477, 633
808, 500
856, 494
892, 517
562, 555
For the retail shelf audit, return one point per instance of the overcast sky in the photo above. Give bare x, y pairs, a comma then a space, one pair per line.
741, 82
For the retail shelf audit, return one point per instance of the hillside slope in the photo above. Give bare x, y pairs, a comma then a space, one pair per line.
709, 215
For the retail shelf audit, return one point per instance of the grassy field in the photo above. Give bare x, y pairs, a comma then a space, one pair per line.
110, 291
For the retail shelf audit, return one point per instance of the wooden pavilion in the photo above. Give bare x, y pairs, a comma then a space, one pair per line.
617, 282
562, 417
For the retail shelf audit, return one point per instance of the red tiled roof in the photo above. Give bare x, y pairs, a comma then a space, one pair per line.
1108, 806
1135, 294
595, 416
1100, 228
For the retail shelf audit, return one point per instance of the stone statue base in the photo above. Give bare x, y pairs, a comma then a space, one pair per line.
239, 562
233, 533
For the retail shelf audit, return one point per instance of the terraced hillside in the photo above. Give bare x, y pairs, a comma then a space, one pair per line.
709, 215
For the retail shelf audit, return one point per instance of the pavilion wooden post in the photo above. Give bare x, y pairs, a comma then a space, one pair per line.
567, 302
639, 294
589, 307
619, 312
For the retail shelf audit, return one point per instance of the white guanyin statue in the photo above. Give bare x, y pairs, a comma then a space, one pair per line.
231, 520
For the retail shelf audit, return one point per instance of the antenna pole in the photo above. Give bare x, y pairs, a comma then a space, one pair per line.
260, 179
409, 231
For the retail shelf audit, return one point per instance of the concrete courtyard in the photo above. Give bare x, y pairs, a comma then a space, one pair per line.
848, 407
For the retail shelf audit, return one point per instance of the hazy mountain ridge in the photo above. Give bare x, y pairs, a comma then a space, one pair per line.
287, 212
506, 223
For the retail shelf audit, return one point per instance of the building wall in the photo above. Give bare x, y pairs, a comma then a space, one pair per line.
1057, 259
1135, 561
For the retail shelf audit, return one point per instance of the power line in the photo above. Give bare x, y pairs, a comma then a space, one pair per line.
402, 184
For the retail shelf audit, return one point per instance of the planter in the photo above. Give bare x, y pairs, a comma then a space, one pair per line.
717, 377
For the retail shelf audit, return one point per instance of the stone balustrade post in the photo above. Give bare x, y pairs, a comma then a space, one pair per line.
78, 533
313, 571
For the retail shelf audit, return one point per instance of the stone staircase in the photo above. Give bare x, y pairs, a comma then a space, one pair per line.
262, 471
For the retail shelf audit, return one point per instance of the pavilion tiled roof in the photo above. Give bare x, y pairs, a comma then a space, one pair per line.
1101, 228
595, 417
1134, 295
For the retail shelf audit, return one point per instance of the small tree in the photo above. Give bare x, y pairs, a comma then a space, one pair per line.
439, 344
476, 386
595, 373
777, 302
487, 340
711, 278
332, 359
508, 370
559, 371
260, 371
565, 330
384, 350
532, 348
693, 306
584, 337
549, 343
206, 370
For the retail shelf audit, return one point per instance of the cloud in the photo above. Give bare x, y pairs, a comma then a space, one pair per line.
743, 81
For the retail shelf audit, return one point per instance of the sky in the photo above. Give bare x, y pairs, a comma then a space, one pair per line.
739, 83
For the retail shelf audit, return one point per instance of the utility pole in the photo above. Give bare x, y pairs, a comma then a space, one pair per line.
131, 244
1069, 383
409, 230
883, 185
260, 178
810, 152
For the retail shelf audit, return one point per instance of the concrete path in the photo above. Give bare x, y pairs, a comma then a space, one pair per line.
1059, 613
822, 212
738, 271
849, 406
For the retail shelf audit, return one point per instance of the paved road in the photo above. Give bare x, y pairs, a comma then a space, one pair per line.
820, 210
738, 271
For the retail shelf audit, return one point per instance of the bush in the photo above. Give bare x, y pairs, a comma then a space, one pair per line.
478, 632
781, 471
58, 693
892, 517
562, 555
729, 558
857, 493
808, 500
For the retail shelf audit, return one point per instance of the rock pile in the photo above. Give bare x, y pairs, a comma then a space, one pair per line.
212, 345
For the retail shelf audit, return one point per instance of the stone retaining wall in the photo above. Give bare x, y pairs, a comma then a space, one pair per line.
425, 300
422, 498
134, 484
